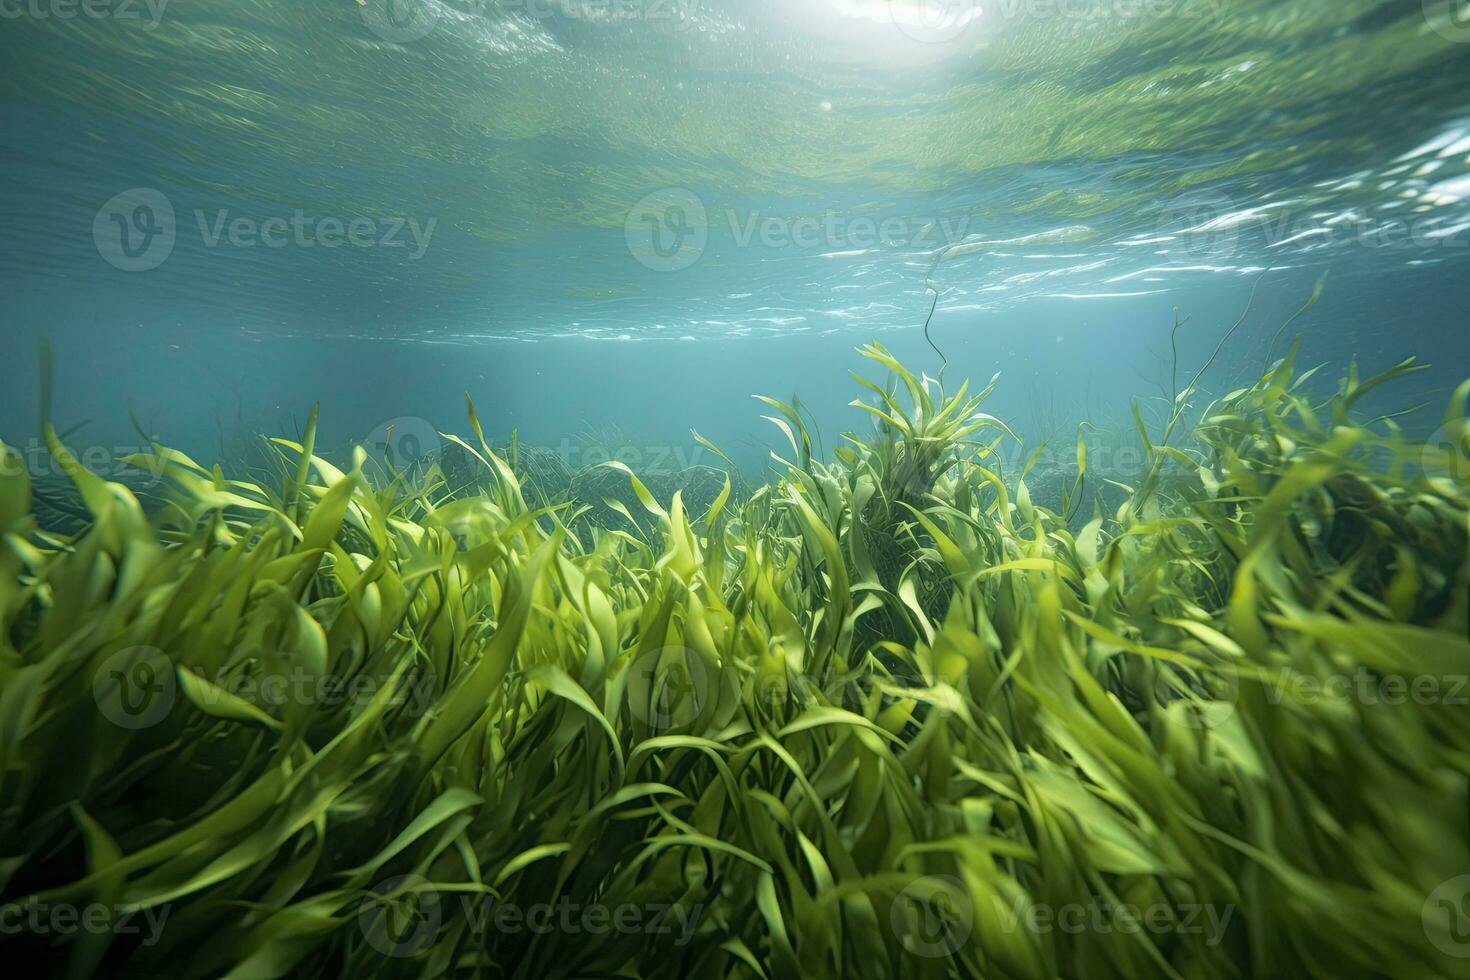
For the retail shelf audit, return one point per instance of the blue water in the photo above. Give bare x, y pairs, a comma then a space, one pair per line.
614, 221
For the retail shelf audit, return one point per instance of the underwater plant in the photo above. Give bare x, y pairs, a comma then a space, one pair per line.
883, 716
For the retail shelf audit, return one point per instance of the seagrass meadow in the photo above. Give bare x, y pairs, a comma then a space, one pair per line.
882, 715
735, 489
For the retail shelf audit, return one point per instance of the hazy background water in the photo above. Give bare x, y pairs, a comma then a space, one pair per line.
623, 217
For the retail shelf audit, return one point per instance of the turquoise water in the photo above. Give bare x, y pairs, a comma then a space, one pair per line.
614, 221
929, 711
